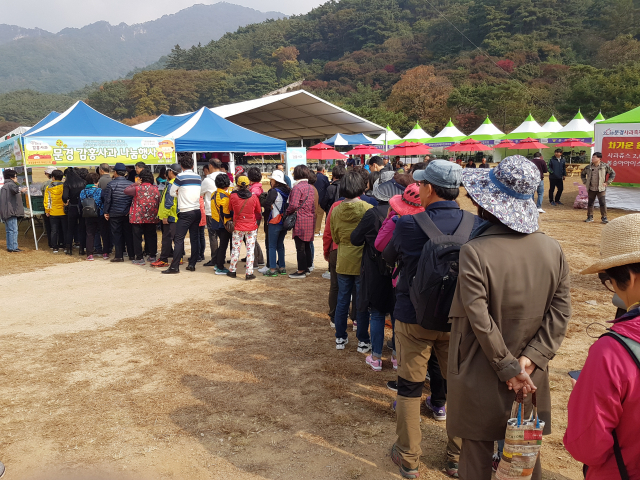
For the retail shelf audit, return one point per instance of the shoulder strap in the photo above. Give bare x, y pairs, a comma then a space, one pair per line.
466, 225
242, 208
633, 348
426, 225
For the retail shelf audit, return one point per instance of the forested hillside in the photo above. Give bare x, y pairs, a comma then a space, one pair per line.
398, 61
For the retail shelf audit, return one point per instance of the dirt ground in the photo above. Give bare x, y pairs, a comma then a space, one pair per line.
113, 369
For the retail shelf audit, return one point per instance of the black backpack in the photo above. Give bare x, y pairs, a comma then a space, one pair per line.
432, 288
89, 209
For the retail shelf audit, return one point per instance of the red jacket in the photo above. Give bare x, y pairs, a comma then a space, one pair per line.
607, 396
245, 222
328, 245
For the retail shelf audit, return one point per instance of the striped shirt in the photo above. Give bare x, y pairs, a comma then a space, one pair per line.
186, 188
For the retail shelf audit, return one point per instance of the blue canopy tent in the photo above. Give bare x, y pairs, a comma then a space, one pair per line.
204, 131
342, 139
44, 121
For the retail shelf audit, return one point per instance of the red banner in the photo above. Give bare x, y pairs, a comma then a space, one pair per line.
623, 154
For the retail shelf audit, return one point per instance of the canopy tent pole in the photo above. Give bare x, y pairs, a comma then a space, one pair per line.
33, 225
232, 164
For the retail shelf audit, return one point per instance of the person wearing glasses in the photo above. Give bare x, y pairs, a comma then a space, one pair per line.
604, 407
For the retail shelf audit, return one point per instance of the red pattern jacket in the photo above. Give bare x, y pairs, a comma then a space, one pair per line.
302, 200
144, 207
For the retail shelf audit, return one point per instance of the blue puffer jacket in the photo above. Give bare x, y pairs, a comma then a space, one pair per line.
115, 202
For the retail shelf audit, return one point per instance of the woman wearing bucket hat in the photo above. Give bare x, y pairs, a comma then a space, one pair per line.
604, 407
275, 205
509, 314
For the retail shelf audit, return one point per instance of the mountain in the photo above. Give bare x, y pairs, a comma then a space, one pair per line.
74, 57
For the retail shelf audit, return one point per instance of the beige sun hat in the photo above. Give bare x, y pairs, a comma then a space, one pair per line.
619, 244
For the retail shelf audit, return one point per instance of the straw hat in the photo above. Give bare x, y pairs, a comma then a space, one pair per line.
619, 244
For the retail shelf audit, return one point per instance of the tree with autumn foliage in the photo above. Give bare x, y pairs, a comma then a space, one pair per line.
422, 95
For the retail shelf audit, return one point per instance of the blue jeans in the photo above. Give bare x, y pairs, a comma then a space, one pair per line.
377, 331
313, 251
540, 194
345, 286
11, 224
276, 245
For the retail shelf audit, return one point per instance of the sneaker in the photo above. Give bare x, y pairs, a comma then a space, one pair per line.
394, 362
541, 210
105, 256
137, 262
318, 234
355, 326
326, 275
117, 260
405, 472
331, 323
364, 347
160, 263
552, 203
282, 271
390, 344
151, 259
223, 271
264, 270
89, 258
392, 385
171, 271
341, 342
210, 263
427, 378
439, 413
191, 268
307, 272
495, 462
393, 405
269, 273
559, 203
55, 251
604, 220
452, 469
201, 259
297, 275
312, 268
231, 274
589, 220
250, 277
375, 364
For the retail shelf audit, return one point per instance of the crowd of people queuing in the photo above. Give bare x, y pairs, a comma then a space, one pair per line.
495, 317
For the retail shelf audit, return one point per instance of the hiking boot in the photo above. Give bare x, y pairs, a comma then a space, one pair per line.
589, 220
160, 263
392, 385
439, 413
341, 342
231, 274
220, 271
374, 363
604, 220
250, 277
364, 347
405, 472
452, 469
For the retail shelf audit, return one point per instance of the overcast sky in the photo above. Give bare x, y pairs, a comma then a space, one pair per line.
54, 15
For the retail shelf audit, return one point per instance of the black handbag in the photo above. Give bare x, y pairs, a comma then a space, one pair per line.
289, 221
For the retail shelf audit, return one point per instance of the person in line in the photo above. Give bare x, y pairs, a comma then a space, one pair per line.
438, 191
542, 167
73, 185
604, 406
245, 207
186, 187
509, 314
143, 216
140, 166
557, 174
316, 202
103, 243
376, 289
333, 190
161, 179
116, 210
376, 164
225, 168
275, 204
54, 209
45, 184
400, 167
345, 217
211, 171
240, 172
388, 166
484, 164
11, 207
594, 177
287, 180
322, 183
302, 201
255, 177
220, 215
92, 224
168, 215
131, 173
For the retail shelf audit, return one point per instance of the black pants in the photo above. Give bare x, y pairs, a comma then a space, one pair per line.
58, 230
105, 235
150, 239
73, 223
47, 227
213, 240
122, 235
601, 200
553, 184
437, 382
224, 237
92, 226
201, 242
187, 222
303, 253
168, 233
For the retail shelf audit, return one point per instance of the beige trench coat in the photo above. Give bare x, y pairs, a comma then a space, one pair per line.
512, 299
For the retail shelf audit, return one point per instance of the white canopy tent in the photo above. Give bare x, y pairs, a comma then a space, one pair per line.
295, 116
417, 134
528, 129
552, 125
